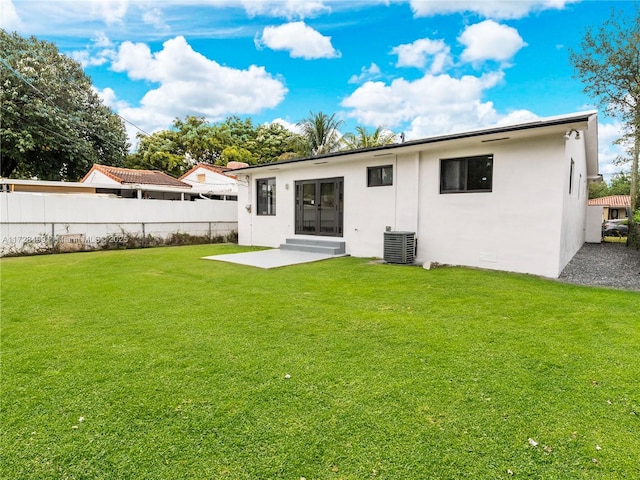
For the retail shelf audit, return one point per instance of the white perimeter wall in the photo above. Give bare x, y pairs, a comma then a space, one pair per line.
529, 223
27, 216
594, 224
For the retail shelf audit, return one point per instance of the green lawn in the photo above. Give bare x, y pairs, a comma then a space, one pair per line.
156, 364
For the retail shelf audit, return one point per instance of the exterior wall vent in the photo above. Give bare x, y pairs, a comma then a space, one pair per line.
399, 247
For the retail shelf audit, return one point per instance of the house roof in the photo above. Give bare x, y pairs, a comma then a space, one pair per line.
132, 176
614, 201
493, 134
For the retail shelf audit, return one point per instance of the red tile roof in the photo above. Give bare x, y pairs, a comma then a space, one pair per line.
615, 201
132, 176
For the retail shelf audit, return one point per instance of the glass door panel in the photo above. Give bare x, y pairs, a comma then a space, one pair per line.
309, 207
327, 210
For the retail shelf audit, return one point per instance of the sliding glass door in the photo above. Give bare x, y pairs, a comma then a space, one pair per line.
319, 207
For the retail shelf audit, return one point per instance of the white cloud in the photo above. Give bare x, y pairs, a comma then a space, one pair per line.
292, 127
433, 104
111, 11
300, 40
136, 59
109, 98
96, 54
289, 9
86, 59
155, 18
489, 40
191, 84
100, 39
423, 52
9, 20
517, 116
439, 103
366, 73
608, 152
498, 9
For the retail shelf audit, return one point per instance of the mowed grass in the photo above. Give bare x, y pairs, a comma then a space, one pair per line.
156, 364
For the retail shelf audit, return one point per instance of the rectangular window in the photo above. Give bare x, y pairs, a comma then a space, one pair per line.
379, 176
266, 188
468, 174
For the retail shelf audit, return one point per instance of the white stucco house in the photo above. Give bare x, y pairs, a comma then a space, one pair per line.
134, 183
510, 197
212, 181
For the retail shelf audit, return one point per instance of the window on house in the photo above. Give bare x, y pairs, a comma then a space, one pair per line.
266, 188
379, 176
467, 174
571, 168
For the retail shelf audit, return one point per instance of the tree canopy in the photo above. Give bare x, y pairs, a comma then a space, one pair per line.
608, 64
620, 184
194, 140
54, 126
362, 138
320, 133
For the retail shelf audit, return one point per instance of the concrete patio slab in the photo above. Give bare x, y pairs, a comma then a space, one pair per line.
271, 258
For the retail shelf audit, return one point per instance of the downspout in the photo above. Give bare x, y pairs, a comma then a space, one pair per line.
417, 202
249, 209
395, 193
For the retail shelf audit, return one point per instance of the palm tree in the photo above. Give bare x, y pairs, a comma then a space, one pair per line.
320, 133
363, 139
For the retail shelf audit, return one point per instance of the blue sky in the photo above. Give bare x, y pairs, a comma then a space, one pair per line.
421, 67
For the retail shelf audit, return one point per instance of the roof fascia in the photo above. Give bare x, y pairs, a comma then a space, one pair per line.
564, 120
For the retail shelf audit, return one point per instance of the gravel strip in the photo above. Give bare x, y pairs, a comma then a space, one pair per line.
606, 265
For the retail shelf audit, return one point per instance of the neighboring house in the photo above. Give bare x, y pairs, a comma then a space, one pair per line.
212, 181
508, 198
107, 209
613, 207
134, 183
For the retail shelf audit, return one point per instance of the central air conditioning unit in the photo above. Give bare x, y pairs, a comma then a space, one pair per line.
400, 247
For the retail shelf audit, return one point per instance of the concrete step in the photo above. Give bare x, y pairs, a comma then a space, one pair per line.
317, 246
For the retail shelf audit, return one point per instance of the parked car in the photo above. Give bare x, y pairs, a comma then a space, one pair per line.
615, 228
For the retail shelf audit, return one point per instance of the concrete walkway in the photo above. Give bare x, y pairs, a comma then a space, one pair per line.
271, 258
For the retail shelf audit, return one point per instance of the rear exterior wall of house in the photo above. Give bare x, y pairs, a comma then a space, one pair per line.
530, 220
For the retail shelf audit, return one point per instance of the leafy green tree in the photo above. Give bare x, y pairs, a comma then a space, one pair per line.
362, 138
620, 184
320, 134
192, 140
237, 154
159, 151
54, 126
174, 151
274, 142
609, 66
198, 141
238, 132
598, 189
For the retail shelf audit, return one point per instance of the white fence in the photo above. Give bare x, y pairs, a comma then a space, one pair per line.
42, 222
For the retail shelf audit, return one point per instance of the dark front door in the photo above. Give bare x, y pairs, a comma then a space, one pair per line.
319, 205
